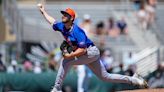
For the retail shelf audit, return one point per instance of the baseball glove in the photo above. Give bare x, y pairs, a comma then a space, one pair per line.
65, 47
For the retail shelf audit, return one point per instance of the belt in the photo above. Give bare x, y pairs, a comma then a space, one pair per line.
91, 44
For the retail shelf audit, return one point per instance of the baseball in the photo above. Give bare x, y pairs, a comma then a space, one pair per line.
39, 5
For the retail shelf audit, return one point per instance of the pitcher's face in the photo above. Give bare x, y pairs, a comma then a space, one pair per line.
66, 18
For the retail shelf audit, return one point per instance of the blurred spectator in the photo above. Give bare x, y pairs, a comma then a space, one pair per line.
111, 23
137, 4
121, 66
100, 32
86, 25
156, 79
107, 60
128, 58
150, 8
37, 68
2, 66
121, 69
13, 68
28, 66
52, 63
57, 57
152, 2
43, 66
122, 26
130, 71
142, 17
100, 28
112, 29
129, 62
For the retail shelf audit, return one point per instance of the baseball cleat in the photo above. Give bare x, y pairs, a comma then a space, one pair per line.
139, 81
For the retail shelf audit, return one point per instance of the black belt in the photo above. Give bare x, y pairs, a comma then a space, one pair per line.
88, 45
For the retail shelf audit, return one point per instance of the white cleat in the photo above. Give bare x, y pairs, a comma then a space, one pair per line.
55, 90
139, 81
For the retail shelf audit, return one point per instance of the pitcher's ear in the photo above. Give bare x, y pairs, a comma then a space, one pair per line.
72, 19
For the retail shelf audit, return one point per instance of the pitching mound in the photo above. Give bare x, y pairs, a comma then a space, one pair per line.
145, 90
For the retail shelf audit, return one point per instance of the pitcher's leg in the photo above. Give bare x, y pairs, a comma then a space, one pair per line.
98, 68
63, 69
82, 60
66, 64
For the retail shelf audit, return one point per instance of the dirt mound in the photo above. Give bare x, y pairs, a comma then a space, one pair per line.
145, 90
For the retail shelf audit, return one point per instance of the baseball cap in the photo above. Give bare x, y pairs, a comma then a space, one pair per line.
70, 12
87, 17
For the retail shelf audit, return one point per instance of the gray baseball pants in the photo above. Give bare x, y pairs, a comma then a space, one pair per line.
95, 64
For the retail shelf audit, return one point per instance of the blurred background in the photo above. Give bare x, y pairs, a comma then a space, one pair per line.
129, 34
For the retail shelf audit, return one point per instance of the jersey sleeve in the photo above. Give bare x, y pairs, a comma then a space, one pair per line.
81, 39
57, 26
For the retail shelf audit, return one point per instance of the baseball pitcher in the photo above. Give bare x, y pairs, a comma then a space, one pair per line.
78, 49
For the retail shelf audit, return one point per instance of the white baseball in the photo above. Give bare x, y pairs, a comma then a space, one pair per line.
39, 5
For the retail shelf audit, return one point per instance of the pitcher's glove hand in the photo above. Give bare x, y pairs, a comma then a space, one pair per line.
65, 48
